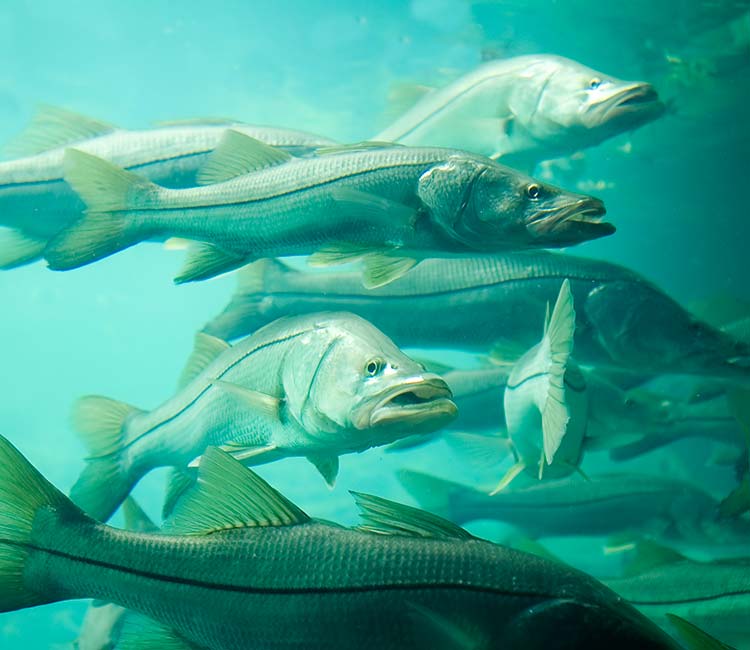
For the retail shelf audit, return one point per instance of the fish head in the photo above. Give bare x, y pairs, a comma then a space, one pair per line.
357, 389
566, 106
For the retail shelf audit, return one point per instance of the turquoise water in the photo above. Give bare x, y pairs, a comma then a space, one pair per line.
675, 188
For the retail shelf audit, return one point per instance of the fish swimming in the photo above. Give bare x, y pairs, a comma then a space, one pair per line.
386, 205
713, 595
36, 203
546, 401
670, 510
317, 386
239, 566
527, 109
623, 321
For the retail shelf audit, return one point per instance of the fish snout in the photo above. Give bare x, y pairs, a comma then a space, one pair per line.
571, 223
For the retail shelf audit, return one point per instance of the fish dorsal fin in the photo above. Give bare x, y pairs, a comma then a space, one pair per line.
229, 495
135, 518
365, 145
559, 337
694, 638
239, 154
384, 517
138, 632
54, 127
205, 350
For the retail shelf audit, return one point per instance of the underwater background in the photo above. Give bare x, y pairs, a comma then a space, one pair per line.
676, 189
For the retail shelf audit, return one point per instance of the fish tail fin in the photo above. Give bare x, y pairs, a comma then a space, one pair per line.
433, 494
558, 341
23, 493
18, 248
109, 192
106, 479
247, 310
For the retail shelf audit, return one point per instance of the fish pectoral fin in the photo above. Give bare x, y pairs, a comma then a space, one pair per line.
54, 127
480, 450
206, 349
365, 145
371, 208
505, 352
17, 248
327, 465
558, 339
246, 454
443, 633
238, 154
138, 632
380, 269
646, 555
507, 479
384, 517
228, 495
268, 405
694, 637
206, 261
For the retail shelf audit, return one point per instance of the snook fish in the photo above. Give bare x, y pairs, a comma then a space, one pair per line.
240, 566
36, 203
623, 321
607, 504
527, 109
316, 386
713, 595
386, 205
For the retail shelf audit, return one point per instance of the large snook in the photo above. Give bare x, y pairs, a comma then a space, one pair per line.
316, 386
623, 321
36, 203
390, 206
530, 108
240, 566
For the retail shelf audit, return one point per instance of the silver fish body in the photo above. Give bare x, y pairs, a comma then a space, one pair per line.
535, 107
623, 321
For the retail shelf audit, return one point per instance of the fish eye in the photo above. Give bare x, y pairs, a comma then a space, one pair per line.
533, 191
373, 367
595, 83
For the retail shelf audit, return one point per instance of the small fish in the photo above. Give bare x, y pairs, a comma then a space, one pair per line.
527, 109
36, 203
712, 595
386, 205
316, 386
670, 510
240, 566
623, 321
546, 402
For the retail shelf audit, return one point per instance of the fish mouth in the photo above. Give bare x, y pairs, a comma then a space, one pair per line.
571, 224
421, 405
637, 104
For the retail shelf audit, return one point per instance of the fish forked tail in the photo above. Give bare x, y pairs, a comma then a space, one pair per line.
106, 480
246, 311
109, 192
24, 492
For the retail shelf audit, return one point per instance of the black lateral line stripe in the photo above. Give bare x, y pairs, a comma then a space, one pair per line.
278, 591
687, 601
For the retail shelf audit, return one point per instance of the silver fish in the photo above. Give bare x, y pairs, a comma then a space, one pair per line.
527, 108
36, 203
623, 321
390, 206
240, 566
316, 386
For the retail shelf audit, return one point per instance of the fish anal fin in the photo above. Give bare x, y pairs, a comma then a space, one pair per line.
18, 248
384, 517
381, 269
228, 495
206, 261
238, 154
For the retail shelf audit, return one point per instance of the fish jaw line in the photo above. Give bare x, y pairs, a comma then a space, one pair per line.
637, 103
421, 401
577, 222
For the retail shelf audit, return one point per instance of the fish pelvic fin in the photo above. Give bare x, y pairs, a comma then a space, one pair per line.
105, 481
558, 340
23, 493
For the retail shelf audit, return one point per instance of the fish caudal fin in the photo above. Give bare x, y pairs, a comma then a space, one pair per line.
18, 248
108, 192
106, 480
558, 342
23, 492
